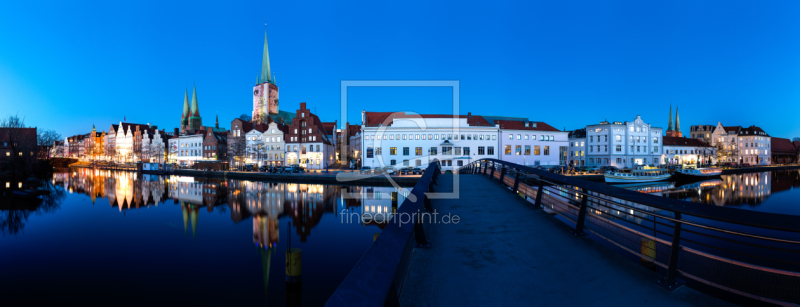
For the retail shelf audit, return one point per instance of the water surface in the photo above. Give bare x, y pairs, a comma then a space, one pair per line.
114, 238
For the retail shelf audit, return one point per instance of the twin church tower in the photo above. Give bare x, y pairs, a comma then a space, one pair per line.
674, 132
265, 98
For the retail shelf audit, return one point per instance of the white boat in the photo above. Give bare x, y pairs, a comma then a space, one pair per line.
638, 174
692, 171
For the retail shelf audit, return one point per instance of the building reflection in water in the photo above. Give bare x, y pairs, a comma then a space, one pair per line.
265, 202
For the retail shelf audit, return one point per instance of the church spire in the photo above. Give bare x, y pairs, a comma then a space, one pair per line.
677, 120
265, 73
216, 124
185, 116
195, 111
669, 126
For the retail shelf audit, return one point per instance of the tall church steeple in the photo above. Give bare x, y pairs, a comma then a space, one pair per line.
195, 121
677, 121
265, 72
669, 125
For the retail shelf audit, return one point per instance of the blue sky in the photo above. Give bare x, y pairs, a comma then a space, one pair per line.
67, 65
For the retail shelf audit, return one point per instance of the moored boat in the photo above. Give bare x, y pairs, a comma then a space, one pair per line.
691, 171
638, 174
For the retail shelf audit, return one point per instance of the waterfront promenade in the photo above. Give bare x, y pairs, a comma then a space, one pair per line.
504, 252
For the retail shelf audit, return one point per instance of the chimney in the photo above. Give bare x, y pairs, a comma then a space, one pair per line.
302, 106
177, 133
469, 114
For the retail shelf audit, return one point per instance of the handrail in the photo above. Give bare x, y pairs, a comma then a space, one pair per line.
766, 220
777, 284
371, 281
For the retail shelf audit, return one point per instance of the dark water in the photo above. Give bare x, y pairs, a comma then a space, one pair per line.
111, 238
776, 191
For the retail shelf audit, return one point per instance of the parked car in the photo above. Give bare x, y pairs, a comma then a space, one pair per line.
366, 170
389, 170
406, 170
298, 169
417, 171
249, 167
263, 168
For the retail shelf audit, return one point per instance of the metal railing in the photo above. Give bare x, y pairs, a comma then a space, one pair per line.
749, 253
377, 278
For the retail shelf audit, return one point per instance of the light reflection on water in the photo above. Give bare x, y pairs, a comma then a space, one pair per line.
774, 191
153, 233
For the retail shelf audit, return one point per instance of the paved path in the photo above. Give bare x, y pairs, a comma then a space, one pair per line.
503, 252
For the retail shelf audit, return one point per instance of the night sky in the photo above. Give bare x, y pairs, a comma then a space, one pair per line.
66, 65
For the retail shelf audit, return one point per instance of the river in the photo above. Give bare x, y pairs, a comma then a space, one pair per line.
106, 237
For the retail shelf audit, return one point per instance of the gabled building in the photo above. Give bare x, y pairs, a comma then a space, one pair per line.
215, 146
740, 145
308, 141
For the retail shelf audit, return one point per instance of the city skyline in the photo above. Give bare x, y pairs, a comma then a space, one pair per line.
69, 66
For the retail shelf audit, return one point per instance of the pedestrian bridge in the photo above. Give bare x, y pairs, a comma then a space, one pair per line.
603, 245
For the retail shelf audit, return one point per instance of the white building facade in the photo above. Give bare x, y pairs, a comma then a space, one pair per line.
740, 145
532, 143
623, 144
274, 145
679, 150
189, 148
416, 141
577, 147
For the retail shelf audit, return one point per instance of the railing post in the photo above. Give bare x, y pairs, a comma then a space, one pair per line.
516, 183
671, 282
502, 173
538, 203
419, 232
578, 232
492, 174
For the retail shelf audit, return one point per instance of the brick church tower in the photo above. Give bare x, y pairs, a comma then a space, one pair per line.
677, 131
265, 92
190, 120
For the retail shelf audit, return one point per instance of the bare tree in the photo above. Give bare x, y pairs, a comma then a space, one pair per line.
157, 151
245, 117
796, 139
237, 150
47, 137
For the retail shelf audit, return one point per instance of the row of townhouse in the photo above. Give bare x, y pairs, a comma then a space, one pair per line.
299, 138
398, 139
630, 143
124, 142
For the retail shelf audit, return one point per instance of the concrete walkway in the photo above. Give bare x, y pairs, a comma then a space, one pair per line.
503, 252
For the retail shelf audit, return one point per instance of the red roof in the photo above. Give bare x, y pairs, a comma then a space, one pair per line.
781, 145
330, 127
681, 141
373, 119
520, 125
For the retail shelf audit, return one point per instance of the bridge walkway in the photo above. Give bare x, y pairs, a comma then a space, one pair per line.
503, 251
